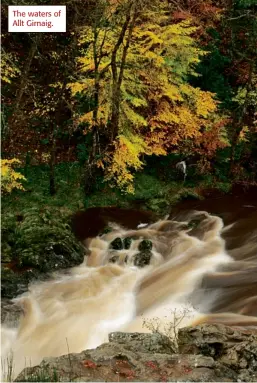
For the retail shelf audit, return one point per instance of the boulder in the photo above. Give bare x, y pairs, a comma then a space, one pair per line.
234, 348
112, 362
152, 358
142, 258
145, 245
127, 242
10, 312
120, 244
116, 244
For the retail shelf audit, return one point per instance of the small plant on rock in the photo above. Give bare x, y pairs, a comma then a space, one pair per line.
169, 328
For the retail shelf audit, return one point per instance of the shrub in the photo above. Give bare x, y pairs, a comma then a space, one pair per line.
170, 329
39, 240
9, 177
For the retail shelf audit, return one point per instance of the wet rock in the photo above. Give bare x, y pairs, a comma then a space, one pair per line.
127, 242
91, 222
9, 283
116, 244
10, 312
121, 244
145, 245
114, 259
56, 256
143, 258
107, 230
151, 358
13, 283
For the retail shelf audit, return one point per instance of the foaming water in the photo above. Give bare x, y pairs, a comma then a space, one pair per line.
188, 266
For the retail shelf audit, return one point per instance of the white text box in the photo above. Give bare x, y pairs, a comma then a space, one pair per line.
36, 18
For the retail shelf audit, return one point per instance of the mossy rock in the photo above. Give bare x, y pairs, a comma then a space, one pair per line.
142, 258
146, 244
13, 284
107, 230
42, 241
9, 281
127, 242
117, 244
46, 242
50, 255
121, 243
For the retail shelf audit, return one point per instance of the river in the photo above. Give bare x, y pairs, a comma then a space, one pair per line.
202, 265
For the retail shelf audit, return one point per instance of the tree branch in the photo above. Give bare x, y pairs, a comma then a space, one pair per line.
248, 14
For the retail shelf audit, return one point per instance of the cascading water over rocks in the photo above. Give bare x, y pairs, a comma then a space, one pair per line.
131, 275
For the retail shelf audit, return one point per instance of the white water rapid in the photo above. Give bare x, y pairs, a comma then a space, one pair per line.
77, 310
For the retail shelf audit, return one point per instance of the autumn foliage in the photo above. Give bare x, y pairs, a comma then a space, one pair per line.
10, 179
131, 80
159, 110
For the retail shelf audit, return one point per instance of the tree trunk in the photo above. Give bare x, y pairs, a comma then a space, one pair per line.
24, 78
57, 123
52, 186
91, 169
118, 78
240, 123
27, 164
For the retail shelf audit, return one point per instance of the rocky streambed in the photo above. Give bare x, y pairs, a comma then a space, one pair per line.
205, 353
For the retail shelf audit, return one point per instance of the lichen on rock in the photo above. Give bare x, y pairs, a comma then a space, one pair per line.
140, 357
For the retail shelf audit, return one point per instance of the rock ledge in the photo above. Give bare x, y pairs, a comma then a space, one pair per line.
205, 353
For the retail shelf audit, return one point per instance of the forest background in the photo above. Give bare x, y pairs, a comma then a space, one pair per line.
101, 115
